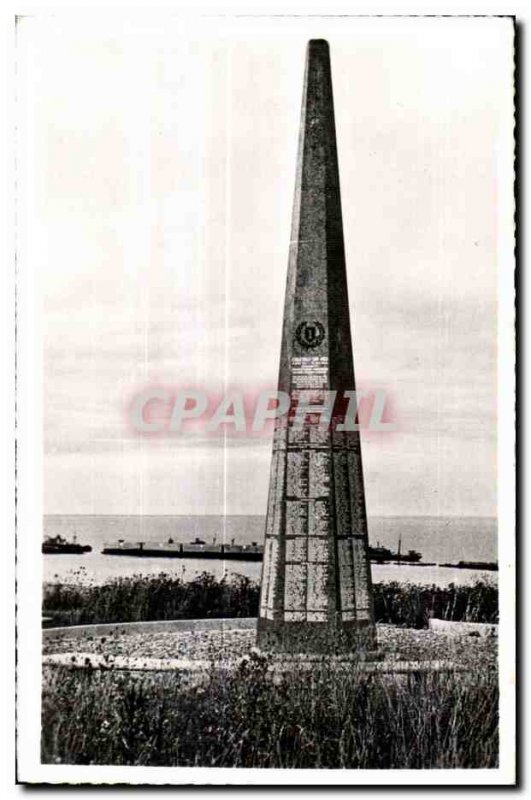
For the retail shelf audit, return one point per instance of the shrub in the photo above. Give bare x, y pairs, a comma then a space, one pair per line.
141, 598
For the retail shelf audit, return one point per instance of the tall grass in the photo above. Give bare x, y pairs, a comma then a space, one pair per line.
140, 598
323, 720
412, 605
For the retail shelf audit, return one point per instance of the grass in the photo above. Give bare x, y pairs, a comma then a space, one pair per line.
412, 605
246, 719
141, 598
322, 719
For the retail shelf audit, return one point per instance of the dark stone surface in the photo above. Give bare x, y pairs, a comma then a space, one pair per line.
314, 637
316, 585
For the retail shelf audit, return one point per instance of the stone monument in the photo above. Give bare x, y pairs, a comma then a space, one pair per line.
316, 594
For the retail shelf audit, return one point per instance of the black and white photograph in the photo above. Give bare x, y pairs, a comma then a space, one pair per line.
265, 398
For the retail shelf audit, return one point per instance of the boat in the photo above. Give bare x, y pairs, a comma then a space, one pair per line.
198, 548
411, 557
54, 545
381, 555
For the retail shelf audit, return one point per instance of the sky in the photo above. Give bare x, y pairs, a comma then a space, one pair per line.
158, 166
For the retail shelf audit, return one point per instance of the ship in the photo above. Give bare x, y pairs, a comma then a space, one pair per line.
381, 555
54, 545
198, 548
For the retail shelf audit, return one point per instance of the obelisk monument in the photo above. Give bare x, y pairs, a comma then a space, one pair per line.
316, 594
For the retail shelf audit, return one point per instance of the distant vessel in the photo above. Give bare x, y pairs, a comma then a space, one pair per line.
198, 548
381, 554
491, 566
411, 557
54, 545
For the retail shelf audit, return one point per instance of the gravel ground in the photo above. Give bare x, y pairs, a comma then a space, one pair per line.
199, 645
397, 644
418, 645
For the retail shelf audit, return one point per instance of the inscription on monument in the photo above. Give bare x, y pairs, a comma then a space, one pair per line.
319, 437
346, 568
296, 550
295, 587
318, 550
309, 372
319, 518
299, 436
341, 485
319, 473
296, 517
298, 467
361, 583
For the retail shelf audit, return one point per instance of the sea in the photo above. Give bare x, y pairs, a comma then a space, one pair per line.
439, 539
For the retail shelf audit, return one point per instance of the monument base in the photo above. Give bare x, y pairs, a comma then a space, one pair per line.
355, 640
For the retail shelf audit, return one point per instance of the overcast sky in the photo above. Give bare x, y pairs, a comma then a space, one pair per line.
160, 187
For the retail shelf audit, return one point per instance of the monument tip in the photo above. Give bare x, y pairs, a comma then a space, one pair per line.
317, 45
